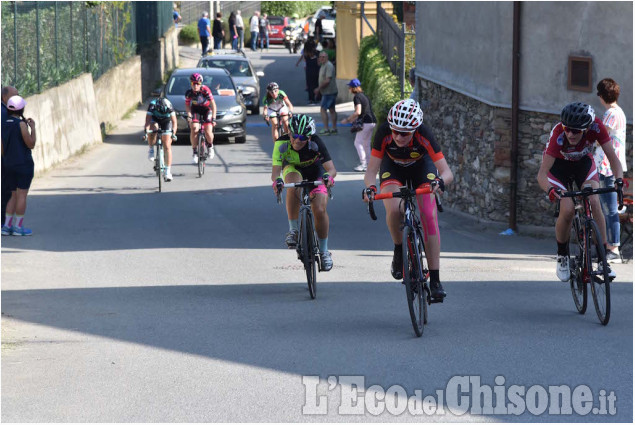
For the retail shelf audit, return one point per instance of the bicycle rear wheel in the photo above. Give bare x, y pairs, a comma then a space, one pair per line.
597, 268
576, 264
308, 251
412, 272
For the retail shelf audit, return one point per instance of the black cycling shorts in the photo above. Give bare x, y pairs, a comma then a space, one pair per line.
18, 176
420, 172
205, 118
165, 125
563, 172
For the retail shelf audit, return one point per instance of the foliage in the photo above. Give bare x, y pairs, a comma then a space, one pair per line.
189, 34
378, 81
288, 8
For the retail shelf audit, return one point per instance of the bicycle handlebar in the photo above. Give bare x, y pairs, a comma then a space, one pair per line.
305, 184
588, 191
404, 192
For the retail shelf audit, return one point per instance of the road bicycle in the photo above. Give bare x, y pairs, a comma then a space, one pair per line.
280, 124
159, 159
307, 247
415, 268
587, 258
202, 152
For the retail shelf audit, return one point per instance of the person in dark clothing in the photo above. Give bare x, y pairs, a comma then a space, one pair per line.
233, 31
312, 72
7, 93
217, 31
17, 142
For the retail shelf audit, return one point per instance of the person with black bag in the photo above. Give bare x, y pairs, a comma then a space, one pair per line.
364, 121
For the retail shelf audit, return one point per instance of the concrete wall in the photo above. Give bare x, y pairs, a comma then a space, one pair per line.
66, 120
467, 47
117, 91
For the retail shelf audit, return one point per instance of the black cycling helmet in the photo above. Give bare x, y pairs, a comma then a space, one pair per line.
162, 105
303, 125
577, 115
272, 86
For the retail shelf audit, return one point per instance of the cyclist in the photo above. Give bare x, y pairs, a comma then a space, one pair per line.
404, 150
200, 107
569, 157
301, 155
161, 116
276, 104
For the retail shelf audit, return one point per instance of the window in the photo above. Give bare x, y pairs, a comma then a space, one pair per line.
580, 74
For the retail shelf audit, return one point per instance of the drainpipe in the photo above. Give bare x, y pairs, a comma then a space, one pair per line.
515, 101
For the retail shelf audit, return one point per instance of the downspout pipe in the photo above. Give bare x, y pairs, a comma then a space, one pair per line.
513, 181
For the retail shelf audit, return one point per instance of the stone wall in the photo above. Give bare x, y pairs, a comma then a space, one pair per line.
117, 91
476, 141
66, 121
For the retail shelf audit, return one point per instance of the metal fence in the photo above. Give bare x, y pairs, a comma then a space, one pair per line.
191, 10
397, 45
45, 44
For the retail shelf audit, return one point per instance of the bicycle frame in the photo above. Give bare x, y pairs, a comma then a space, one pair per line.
159, 159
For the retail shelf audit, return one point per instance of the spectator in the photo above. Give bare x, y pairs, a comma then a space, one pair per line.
17, 142
319, 32
204, 32
615, 122
363, 111
7, 93
253, 28
233, 32
240, 27
217, 31
264, 28
312, 71
328, 89
176, 16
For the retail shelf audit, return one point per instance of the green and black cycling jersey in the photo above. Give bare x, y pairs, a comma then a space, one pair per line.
309, 159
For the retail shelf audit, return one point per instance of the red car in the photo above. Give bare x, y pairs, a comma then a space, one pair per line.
276, 36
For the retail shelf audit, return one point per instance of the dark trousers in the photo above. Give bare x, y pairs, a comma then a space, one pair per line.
218, 42
6, 193
204, 43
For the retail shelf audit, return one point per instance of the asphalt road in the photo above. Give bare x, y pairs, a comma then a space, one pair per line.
128, 305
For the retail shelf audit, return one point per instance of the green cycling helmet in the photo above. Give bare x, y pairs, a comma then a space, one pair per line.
302, 125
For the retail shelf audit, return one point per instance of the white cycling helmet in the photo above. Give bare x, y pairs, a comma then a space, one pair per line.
405, 115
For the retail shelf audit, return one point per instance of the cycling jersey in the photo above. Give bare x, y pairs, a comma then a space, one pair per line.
422, 144
560, 148
307, 161
156, 115
200, 101
275, 104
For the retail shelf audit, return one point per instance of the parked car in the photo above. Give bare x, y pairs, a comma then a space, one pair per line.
241, 71
276, 36
231, 114
328, 23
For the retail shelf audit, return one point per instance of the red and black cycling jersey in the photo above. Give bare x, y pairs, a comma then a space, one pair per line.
199, 101
423, 143
559, 146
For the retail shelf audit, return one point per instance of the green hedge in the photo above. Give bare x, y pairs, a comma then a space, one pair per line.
288, 8
378, 81
189, 34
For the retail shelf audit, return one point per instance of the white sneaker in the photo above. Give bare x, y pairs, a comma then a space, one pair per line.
168, 176
612, 274
210, 153
360, 167
562, 268
151, 154
194, 159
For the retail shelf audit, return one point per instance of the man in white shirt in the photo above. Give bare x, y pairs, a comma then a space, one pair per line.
240, 27
253, 28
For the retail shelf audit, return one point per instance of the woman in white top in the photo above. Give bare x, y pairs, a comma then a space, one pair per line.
615, 122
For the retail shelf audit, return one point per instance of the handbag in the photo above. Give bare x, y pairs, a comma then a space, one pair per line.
358, 125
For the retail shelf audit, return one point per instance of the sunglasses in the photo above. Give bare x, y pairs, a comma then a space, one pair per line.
196, 84
571, 130
301, 137
402, 133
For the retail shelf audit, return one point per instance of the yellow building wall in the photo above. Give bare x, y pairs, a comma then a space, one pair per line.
347, 38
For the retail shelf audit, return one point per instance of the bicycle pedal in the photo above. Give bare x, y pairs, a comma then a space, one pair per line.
435, 300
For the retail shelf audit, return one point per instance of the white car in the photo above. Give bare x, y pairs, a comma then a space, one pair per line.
328, 23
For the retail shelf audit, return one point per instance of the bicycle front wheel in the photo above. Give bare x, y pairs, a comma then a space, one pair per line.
598, 271
576, 264
308, 251
158, 166
201, 157
412, 273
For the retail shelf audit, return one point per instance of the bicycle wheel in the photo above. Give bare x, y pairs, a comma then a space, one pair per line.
158, 166
308, 251
576, 264
201, 157
412, 280
597, 269
425, 274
